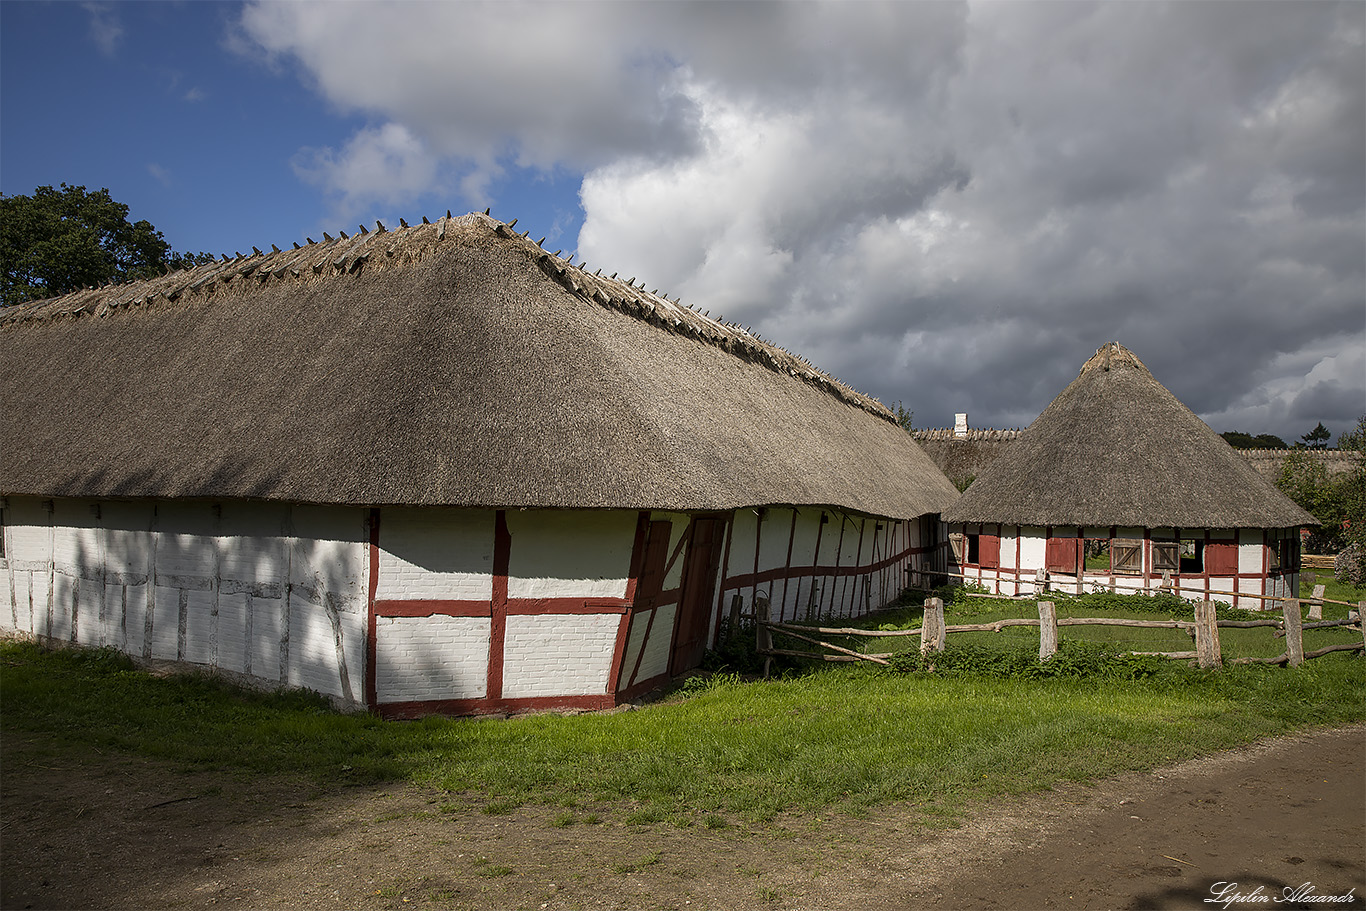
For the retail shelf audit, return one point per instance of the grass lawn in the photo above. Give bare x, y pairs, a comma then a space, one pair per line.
832, 737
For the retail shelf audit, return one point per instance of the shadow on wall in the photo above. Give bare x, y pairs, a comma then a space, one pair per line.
275, 593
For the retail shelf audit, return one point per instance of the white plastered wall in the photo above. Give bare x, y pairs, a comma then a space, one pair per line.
273, 592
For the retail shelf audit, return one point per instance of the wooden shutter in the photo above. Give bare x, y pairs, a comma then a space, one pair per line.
1063, 555
1166, 556
958, 541
1221, 558
989, 551
1126, 556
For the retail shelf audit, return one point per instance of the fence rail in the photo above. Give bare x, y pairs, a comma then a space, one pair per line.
933, 632
1041, 583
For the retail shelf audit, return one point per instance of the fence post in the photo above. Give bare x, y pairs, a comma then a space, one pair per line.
763, 636
1294, 632
1207, 635
1316, 605
1040, 582
737, 604
1048, 630
1361, 622
932, 632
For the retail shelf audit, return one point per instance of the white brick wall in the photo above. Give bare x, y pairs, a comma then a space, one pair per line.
570, 553
635, 638
436, 554
558, 654
426, 658
656, 659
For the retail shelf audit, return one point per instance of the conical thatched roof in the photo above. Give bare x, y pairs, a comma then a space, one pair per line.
452, 363
1116, 448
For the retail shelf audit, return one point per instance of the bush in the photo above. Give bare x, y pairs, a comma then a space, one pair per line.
1075, 659
1350, 566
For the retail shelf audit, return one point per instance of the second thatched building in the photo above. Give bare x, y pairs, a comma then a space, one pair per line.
1118, 485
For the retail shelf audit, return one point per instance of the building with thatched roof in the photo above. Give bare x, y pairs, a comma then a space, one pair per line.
434, 469
1119, 485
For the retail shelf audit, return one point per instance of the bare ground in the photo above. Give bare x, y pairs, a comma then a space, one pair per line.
80, 829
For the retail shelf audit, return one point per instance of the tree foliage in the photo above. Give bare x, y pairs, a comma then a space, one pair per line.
1352, 487
904, 417
1239, 440
1317, 438
61, 240
1337, 501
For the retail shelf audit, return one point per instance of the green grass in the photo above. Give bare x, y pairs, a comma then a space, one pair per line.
1333, 589
839, 737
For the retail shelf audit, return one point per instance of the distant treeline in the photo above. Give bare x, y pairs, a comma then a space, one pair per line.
1240, 440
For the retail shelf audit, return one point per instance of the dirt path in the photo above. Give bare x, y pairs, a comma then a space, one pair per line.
99, 831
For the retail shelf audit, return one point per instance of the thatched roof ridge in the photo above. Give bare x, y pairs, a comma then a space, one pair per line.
452, 363
395, 248
1117, 448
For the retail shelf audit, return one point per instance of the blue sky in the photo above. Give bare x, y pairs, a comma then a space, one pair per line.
170, 108
950, 205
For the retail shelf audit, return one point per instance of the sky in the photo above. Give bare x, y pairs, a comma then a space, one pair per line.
948, 206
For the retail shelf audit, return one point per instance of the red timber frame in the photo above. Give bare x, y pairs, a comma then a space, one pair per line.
1223, 551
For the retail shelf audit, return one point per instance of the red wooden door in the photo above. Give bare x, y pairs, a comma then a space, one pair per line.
699, 585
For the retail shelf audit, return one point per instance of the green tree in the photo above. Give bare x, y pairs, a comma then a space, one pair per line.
1239, 440
904, 417
61, 240
1352, 492
1305, 480
1317, 438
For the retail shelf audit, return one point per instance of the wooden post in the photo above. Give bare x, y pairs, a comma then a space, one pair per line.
1294, 632
763, 636
1316, 605
737, 604
1048, 630
1207, 635
932, 632
1040, 582
1361, 622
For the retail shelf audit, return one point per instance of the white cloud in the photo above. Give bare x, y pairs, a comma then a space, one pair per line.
162, 175
379, 165
950, 205
106, 30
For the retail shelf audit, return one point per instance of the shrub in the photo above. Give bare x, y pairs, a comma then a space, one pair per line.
1350, 565
1074, 659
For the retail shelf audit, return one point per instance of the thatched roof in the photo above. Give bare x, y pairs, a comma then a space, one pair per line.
1116, 448
453, 363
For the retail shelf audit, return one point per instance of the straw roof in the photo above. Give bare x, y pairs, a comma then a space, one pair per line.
452, 363
1116, 448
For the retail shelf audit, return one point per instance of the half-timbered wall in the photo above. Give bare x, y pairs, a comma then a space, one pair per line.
413, 611
1260, 562
813, 563
272, 592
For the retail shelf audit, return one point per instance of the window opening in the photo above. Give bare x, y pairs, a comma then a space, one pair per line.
1097, 554
1192, 555
974, 549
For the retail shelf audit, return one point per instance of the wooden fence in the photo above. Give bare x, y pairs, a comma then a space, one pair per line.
1041, 584
1204, 629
